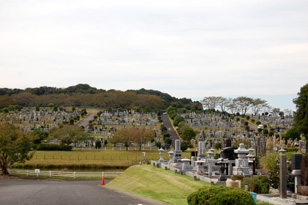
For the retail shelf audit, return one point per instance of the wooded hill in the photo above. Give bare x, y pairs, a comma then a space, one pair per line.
83, 95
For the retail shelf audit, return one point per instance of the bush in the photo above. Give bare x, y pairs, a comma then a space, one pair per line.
98, 144
168, 140
246, 123
291, 149
158, 144
218, 145
253, 120
237, 177
292, 133
247, 117
184, 146
258, 184
172, 114
220, 195
270, 162
177, 120
258, 122
163, 128
48, 147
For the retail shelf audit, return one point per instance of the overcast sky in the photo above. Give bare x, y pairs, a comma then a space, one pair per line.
191, 49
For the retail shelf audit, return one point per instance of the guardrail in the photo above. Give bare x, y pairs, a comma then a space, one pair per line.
74, 175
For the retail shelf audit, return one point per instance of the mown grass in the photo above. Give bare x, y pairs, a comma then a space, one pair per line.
90, 159
157, 184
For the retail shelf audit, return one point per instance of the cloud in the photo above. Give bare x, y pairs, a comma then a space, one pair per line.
188, 49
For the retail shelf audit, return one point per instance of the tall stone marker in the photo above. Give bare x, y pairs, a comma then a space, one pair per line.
283, 174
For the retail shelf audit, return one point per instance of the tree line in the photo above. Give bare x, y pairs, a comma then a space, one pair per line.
83, 95
242, 105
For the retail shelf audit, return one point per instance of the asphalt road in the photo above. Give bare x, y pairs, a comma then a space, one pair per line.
86, 120
50, 192
170, 130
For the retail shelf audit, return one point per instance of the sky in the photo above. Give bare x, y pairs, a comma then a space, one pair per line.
192, 49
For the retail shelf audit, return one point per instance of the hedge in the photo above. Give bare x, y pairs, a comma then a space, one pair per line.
220, 195
54, 147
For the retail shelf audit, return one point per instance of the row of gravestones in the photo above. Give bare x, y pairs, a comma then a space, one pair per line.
30, 119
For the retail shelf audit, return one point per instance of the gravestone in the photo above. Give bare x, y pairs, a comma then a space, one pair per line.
228, 142
296, 161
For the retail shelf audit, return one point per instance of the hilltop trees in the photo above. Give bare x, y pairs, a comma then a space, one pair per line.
15, 145
85, 95
240, 104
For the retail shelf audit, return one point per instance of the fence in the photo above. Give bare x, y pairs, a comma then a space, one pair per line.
39, 173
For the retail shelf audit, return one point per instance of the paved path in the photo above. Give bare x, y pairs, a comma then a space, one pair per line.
58, 192
86, 120
170, 130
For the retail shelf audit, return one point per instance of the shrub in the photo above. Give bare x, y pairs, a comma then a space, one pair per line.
291, 149
258, 184
253, 120
98, 144
158, 144
54, 147
220, 195
247, 117
177, 120
163, 128
258, 122
270, 162
184, 146
168, 140
246, 123
292, 133
218, 145
237, 177
172, 114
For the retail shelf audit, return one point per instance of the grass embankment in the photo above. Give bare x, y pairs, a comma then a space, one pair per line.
157, 184
90, 159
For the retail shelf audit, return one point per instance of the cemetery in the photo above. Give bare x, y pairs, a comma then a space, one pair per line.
231, 165
247, 153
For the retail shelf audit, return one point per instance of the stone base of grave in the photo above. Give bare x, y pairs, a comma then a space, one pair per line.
302, 190
236, 184
165, 166
174, 164
221, 183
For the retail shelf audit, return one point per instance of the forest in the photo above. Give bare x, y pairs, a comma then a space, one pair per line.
83, 95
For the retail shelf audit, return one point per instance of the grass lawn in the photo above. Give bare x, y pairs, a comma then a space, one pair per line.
94, 159
158, 184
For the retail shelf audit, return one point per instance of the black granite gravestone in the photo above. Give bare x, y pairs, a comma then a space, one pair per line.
296, 161
228, 153
228, 142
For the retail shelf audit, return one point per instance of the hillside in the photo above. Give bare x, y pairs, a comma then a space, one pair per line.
83, 95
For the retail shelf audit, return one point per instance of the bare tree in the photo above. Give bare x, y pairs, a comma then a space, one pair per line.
258, 105
223, 103
210, 102
232, 106
244, 103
